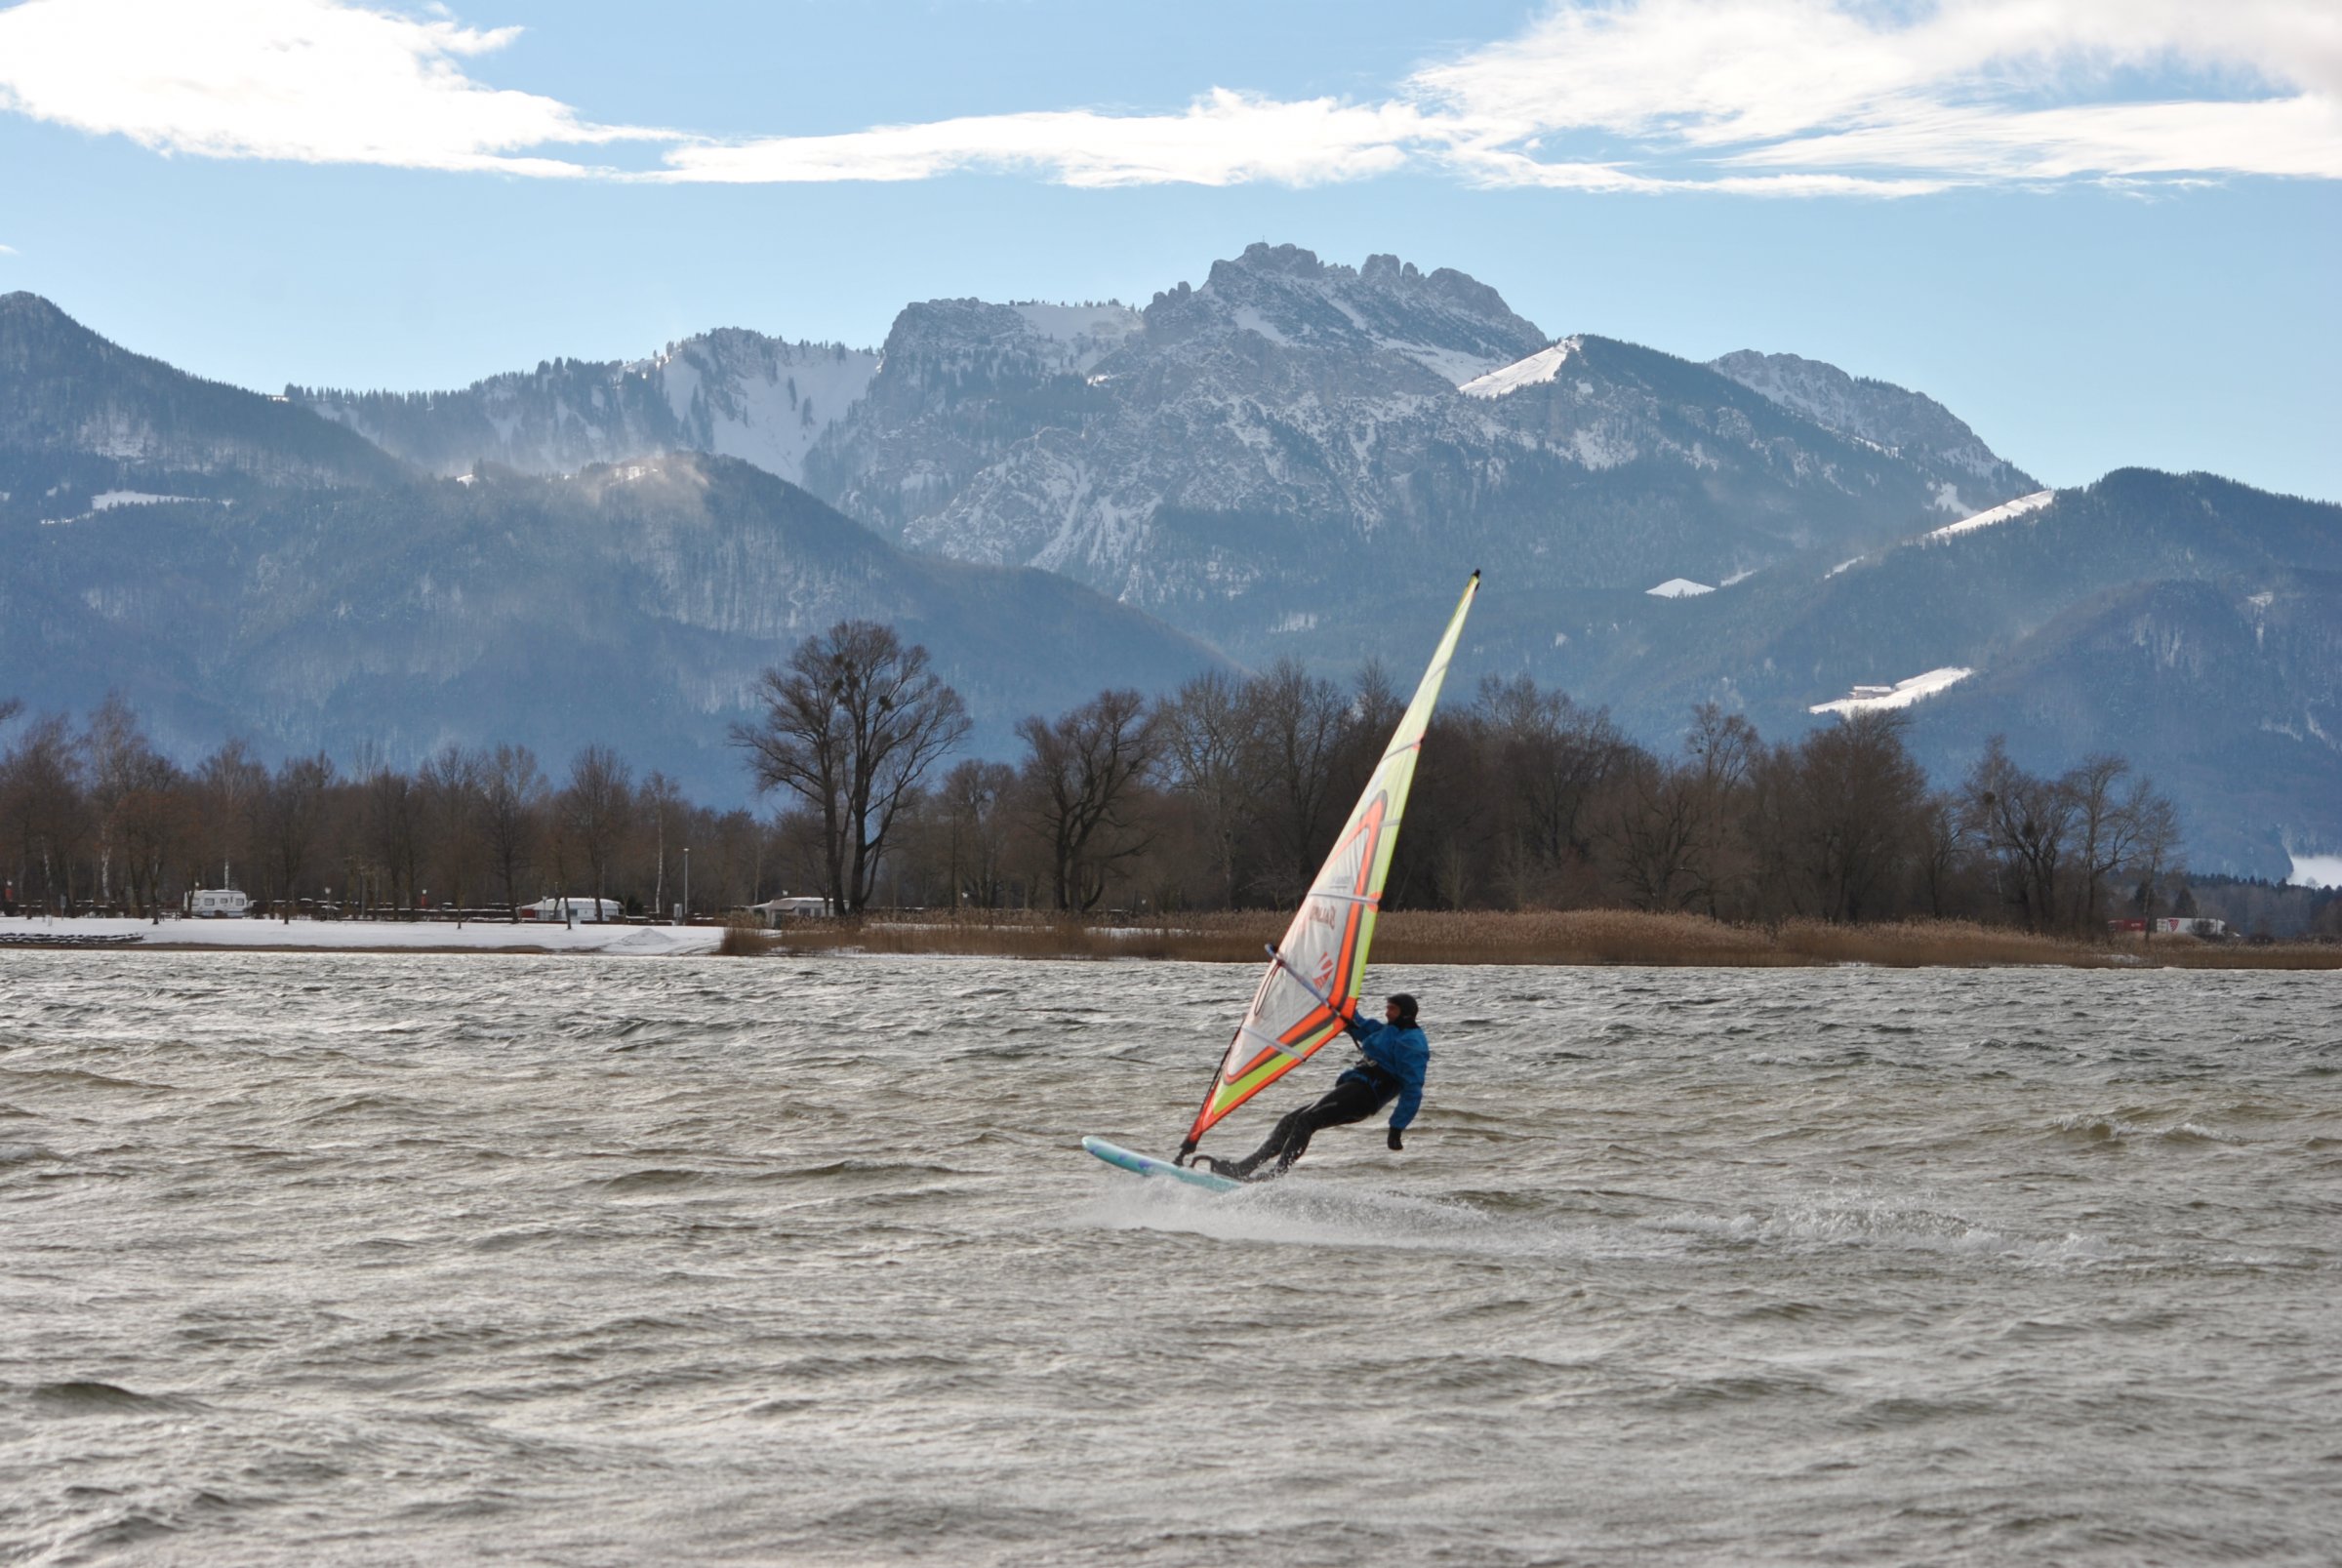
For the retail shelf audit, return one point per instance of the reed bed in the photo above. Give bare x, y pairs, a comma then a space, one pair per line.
1589, 936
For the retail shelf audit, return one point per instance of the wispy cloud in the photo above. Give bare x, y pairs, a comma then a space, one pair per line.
1896, 99
1765, 97
8, 250
1220, 138
310, 81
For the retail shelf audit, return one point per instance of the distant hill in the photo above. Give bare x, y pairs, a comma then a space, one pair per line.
279, 577
2190, 622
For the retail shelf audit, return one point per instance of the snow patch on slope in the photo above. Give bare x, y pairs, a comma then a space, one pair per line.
2007, 511
1904, 693
1680, 588
1539, 367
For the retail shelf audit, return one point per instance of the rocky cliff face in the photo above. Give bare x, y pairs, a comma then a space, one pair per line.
1294, 432
1914, 427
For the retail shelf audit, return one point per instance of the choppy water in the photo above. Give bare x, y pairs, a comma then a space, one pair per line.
318, 1259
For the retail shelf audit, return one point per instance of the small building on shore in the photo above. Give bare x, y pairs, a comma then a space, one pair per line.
216, 904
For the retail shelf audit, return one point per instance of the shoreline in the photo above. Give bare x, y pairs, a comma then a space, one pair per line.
356, 936
1574, 938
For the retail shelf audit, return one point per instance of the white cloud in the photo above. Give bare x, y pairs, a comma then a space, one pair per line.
8, 250
1222, 139
1888, 99
308, 81
1760, 97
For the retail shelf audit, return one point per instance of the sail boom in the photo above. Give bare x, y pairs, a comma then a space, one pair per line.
1247, 1031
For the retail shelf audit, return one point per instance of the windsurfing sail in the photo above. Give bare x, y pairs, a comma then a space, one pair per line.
1323, 958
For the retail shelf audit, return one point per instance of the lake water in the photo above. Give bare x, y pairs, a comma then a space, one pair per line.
386, 1259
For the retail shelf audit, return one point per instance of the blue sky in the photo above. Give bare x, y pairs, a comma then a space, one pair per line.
2102, 232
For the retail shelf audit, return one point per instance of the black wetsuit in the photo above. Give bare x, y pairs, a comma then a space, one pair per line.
1355, 1096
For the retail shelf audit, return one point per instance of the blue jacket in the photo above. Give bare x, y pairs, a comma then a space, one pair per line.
1394, 1054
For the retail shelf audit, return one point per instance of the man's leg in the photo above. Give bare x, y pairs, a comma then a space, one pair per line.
1344, 1104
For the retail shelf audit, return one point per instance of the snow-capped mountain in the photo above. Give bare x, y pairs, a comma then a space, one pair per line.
1294, 430
732, 393
1290, 432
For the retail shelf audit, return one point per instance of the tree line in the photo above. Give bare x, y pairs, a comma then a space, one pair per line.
1224, 794
97, 818
1228, 792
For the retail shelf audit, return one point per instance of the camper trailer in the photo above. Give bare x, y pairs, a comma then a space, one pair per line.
216, 904
583, 912
776, 911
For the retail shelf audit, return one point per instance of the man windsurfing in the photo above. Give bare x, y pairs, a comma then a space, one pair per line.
1396, 1055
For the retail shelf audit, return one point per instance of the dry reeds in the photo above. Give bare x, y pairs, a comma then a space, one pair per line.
1590, 936
743, 939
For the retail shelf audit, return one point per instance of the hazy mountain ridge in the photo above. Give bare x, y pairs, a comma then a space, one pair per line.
732, 393
2190, 622
82, 418
630, 603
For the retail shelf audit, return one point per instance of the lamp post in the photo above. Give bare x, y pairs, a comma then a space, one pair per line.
687, 884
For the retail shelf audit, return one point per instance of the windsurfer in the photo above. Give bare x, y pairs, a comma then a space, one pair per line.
1397, 1054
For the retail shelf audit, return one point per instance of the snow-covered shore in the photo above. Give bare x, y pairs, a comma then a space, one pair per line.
385, 935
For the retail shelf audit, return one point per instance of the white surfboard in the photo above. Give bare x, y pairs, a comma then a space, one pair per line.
1131, 1160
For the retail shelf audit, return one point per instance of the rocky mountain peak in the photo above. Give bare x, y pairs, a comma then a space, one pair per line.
1445, 321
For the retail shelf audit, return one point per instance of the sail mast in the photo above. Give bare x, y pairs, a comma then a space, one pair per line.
1323, 957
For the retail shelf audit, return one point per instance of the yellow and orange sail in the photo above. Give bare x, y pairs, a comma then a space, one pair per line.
1323, 957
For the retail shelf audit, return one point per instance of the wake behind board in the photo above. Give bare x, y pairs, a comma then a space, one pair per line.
1148, 1165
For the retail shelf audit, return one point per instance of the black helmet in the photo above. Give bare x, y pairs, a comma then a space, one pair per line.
1407, 1008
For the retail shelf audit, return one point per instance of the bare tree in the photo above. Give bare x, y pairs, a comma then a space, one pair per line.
116, 755
1081, 776
661, 802
291, 811
1212, 751
595, 808
2022, 822
1302, 722
852, 724
1553, 758
2120, 832
451, 781
229, 786
46, 816
512, 789
1861, 796
1721, 751
1652, 834
975, 804
394, 808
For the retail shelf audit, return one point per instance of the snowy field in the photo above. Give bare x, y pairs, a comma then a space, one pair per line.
480, 935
